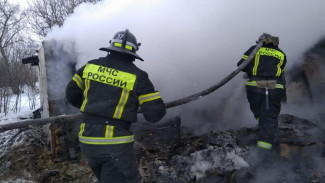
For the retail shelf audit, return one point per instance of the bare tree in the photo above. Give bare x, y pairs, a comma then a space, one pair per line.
10, 27
44, 14
14, 45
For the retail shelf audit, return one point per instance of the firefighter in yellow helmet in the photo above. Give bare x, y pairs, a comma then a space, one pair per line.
108, 91
266, 87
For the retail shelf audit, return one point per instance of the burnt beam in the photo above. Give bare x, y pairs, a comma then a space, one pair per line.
40, 121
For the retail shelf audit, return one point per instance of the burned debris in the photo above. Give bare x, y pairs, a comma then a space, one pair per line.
197, 159
171, 156
221, 156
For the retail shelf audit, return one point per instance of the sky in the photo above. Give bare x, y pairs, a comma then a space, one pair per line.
189, 45
22, 3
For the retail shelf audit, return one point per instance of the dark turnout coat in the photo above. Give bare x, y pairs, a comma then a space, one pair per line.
269, 63
108, 91
113, 87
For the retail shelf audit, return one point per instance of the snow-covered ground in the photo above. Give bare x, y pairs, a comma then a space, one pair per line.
24, 110
11, 138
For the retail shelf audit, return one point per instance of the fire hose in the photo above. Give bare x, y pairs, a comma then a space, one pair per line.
182, 101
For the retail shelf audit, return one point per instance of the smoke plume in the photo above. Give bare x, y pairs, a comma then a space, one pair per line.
189, 45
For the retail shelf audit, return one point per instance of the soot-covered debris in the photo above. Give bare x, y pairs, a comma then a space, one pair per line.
173, 157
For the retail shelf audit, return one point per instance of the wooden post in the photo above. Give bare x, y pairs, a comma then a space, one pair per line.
53, 144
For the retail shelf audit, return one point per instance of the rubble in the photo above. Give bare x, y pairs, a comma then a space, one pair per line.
300, 150
193, 158
173, 157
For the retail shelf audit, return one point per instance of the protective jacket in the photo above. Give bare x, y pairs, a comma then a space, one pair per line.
268, 64
109, 91
113, 87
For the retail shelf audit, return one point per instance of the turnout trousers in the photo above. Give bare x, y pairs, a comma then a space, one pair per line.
266, 109
112, 163
108, 146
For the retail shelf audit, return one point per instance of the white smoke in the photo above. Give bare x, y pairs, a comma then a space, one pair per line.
190, 45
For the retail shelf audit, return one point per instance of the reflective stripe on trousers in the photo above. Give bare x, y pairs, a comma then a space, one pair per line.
253, 83
264, 145
108, 139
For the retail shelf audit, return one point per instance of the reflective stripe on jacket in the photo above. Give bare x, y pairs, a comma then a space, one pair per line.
114, 88
269, 61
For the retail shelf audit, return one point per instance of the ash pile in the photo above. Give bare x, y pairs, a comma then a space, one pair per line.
230, 156
166, 154
188, 159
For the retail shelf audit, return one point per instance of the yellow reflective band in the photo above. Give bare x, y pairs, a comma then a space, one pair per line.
272, 53
106, 141
279, 86
258, 120
120, 45
79, 81
253, 83
148, 97
82, 129
257, 61
112, 131
87, 85
128, 47
278, 73
109, 131
109, 76
264, 145
120, 106
245, 57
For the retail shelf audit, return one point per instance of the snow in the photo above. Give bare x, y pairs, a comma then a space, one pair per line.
24, 110
212, 158
12, 138
19, 181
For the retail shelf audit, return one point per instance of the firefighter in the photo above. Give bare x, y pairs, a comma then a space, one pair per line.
108, 91
265, 87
